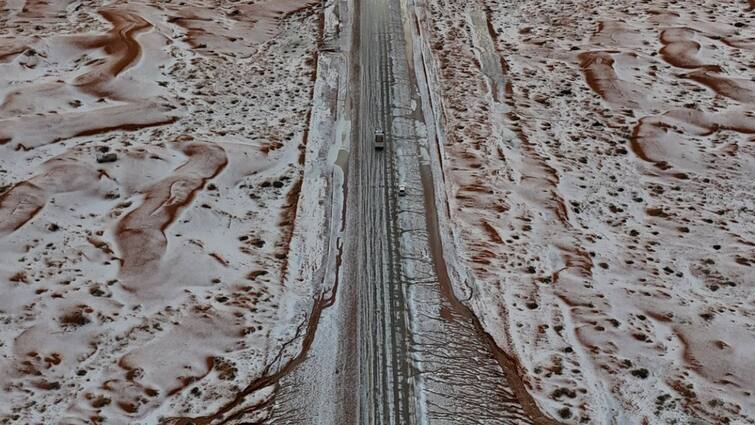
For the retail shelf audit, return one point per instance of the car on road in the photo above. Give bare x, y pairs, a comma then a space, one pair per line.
379, 139
401, 190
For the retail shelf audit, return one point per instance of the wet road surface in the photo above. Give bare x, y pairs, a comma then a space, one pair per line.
387, 396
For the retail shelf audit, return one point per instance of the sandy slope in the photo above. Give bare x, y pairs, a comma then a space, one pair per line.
598, 163
159, 284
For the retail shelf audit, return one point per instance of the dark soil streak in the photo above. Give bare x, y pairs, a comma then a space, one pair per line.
288, 220
288, 216
122, 127
544, 174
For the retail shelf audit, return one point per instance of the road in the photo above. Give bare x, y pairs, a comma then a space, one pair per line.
397, 347
388, 396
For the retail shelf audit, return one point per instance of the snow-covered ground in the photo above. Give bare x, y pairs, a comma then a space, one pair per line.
594, 173
597, 169
163, 283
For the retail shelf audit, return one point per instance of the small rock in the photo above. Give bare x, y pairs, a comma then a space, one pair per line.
107, 157
97, 292
100, 401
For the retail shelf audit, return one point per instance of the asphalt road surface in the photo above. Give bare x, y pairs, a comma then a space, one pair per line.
388, 394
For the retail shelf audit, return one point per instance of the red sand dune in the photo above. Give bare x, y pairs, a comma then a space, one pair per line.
599, 72
616, 33
141, 233
9, 48
250, 25
739, 89
744, 43
19, 205
36, 123
40, 9
119, 43
39, 130
656, 138
680, 49
25, 199
185, 354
